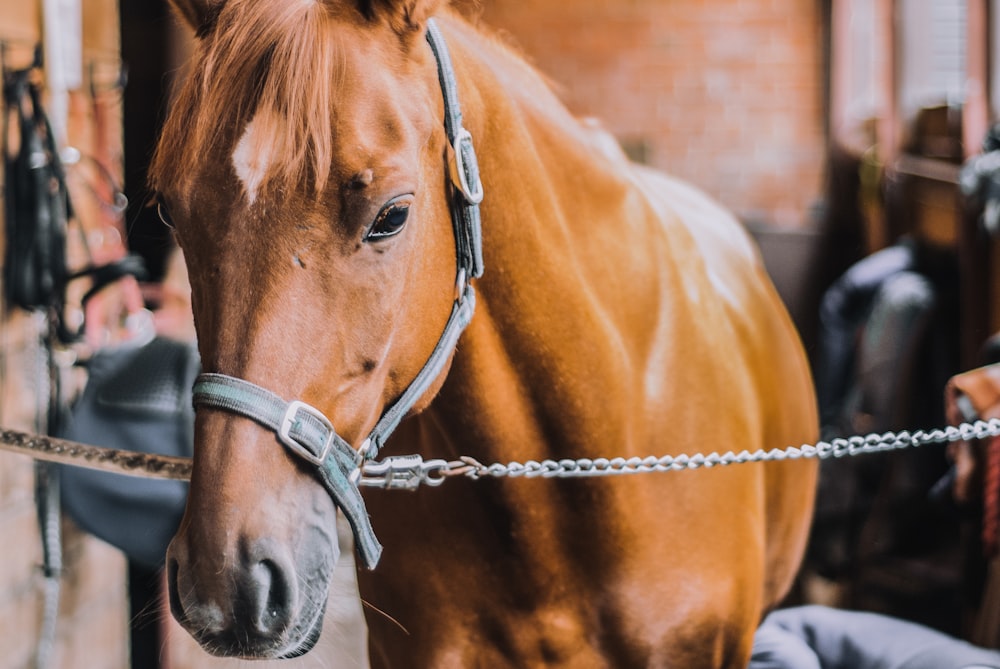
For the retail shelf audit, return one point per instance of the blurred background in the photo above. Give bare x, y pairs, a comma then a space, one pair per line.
847, 136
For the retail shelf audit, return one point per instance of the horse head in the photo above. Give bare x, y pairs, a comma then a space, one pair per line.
303, 166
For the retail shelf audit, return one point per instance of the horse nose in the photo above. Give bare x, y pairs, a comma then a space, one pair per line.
256, 607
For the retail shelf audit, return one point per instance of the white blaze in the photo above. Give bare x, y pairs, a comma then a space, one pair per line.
255, 152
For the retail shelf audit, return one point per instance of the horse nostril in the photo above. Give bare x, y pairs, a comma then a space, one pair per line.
176, 608
200, 617
270, 598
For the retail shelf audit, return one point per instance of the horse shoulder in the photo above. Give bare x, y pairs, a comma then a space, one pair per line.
730, 261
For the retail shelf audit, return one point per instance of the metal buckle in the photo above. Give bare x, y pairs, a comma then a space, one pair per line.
285, 429
460, 283
461, 177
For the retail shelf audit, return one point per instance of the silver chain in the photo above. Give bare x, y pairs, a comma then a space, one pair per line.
408, 472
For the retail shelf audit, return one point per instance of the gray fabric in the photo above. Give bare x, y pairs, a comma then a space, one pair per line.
776, 648
817, 637
137, 399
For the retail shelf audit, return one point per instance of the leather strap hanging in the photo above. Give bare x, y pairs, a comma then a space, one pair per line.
977, 393
37, 201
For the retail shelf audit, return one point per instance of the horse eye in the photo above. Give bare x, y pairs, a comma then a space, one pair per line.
390, 220
161, 211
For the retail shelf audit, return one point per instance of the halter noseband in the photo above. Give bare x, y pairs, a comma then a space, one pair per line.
303, 429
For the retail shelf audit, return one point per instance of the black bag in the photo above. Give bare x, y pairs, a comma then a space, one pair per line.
137, 398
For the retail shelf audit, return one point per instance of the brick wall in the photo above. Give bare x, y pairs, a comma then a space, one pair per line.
727, 94
93, 615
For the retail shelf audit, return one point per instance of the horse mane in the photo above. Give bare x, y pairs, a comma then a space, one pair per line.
275, 62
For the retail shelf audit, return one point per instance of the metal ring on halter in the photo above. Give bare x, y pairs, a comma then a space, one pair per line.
472, 195
461, 280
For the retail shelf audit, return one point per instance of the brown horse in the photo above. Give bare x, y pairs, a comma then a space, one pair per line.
310, 176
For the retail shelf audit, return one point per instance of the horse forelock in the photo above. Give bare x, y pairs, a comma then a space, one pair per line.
274, 63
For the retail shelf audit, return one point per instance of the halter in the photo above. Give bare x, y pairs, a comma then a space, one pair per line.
303, 429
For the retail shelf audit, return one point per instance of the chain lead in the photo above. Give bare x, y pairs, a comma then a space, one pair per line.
408, 472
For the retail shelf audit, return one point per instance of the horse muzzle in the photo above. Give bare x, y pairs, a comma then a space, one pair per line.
258, 601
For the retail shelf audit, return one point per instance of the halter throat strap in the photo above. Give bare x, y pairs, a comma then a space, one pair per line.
303, 429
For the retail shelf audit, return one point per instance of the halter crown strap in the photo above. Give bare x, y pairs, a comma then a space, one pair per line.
303, 429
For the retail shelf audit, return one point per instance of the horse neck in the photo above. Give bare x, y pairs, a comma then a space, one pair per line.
546, 176
519, 123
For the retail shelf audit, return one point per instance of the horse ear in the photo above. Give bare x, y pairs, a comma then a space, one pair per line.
200, 15
406, 16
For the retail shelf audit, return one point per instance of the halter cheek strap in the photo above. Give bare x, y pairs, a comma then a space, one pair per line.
303, 429
464, 168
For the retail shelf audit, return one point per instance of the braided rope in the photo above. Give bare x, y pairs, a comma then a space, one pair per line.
67, 452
